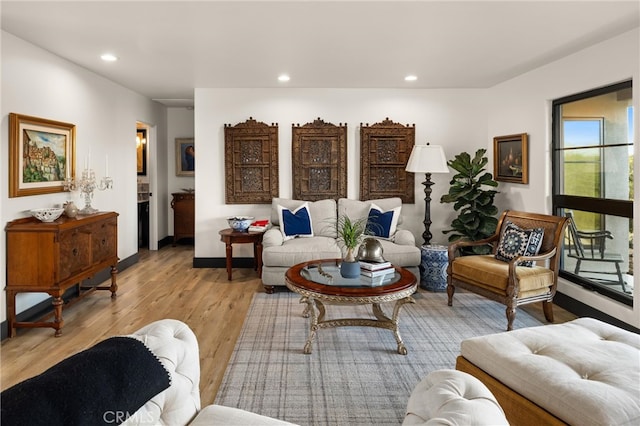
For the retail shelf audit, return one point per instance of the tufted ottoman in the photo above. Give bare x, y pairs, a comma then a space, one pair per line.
584, 372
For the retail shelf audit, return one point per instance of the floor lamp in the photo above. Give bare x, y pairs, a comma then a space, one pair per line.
427, 159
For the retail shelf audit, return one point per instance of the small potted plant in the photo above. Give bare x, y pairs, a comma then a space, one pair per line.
350, 233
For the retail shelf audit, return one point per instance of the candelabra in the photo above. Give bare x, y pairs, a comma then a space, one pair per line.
86, 185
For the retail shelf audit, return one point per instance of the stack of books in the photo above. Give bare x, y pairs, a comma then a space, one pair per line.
259, 225
376, 269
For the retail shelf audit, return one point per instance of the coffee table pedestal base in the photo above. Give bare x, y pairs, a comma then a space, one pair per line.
316, 311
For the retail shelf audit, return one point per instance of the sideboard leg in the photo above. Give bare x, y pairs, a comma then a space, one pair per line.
114, 284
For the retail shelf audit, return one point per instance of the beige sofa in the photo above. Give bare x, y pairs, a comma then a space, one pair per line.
279, 254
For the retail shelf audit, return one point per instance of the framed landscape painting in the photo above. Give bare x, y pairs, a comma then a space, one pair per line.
41, 155
510, 158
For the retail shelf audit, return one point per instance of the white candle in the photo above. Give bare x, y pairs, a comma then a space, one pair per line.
106, 166
85, 163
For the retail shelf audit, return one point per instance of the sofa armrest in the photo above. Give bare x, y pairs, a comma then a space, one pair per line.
404, 237
176, 347
272, 237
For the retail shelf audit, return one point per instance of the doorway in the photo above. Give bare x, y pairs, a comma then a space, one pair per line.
143, 144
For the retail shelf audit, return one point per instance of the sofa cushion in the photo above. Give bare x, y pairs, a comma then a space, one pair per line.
230, 416
585, 372
300, 250
516, 241
401, 254
295, 223
381, 223
323, 214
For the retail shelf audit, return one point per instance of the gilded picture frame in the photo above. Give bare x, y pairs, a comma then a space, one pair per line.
41, 155
141, 152
185, 157
511, 158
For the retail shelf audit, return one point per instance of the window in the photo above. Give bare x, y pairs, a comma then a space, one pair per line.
593, 184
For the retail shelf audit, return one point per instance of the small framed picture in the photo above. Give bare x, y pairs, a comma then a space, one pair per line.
41, 155
510, 158
185, 157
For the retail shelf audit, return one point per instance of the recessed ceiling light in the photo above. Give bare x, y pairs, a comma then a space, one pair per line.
283, 77
410, 78
108, 57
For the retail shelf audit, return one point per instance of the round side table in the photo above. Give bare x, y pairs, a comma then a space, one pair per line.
433, 267
229, 237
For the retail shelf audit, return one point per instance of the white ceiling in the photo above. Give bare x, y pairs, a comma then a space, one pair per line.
168, 48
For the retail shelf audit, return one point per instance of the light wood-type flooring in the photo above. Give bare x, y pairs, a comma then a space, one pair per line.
163, 284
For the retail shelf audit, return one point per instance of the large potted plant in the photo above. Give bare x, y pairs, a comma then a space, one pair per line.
350, 233
477, 213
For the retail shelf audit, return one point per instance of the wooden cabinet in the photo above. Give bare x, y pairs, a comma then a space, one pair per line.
184, 216
52, 257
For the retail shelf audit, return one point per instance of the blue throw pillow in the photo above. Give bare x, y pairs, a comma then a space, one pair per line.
516, 241
296, 223
382, 224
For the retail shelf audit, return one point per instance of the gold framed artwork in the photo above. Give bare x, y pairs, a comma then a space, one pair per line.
251, 162
185, 157
141, 152
510, 158
385, 148
319, 160
41, 155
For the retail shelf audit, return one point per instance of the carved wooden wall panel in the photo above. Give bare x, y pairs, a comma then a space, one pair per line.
251, 162
319, 159
385, 149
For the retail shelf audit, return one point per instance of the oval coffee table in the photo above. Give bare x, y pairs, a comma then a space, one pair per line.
319, 282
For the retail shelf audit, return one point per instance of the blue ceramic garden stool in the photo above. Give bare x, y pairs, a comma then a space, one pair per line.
433, 267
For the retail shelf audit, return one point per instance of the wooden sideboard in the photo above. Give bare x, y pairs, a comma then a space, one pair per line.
52, 257
184, 215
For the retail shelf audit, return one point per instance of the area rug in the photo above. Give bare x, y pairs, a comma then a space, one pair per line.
354, 375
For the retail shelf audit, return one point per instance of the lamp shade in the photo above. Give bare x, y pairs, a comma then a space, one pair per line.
427, 159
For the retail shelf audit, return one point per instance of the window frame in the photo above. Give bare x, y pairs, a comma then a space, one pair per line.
604, 206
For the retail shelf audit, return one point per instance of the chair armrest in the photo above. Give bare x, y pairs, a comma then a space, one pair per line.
404, 237
456, 245
272, 237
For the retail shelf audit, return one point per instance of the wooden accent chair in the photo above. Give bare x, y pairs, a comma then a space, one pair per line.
507, 282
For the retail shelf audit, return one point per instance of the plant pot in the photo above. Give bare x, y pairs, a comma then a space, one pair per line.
350, 269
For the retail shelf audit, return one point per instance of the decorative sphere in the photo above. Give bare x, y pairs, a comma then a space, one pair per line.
240, 223
370, 250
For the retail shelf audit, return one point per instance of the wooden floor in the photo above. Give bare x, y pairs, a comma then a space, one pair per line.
163, 284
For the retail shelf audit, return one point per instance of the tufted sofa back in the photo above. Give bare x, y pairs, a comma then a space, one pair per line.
175, 345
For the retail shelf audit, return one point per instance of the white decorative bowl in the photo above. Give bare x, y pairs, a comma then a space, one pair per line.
48, 214
240, 223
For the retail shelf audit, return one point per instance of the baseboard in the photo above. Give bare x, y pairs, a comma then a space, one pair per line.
583, 310
43, 308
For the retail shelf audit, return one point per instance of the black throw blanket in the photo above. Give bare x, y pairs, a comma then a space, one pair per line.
102, 385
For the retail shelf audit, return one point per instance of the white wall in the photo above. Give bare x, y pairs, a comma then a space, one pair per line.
179, 125
523, 104
37, 83
455, 119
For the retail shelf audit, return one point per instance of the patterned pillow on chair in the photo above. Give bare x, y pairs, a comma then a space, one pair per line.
516, 241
